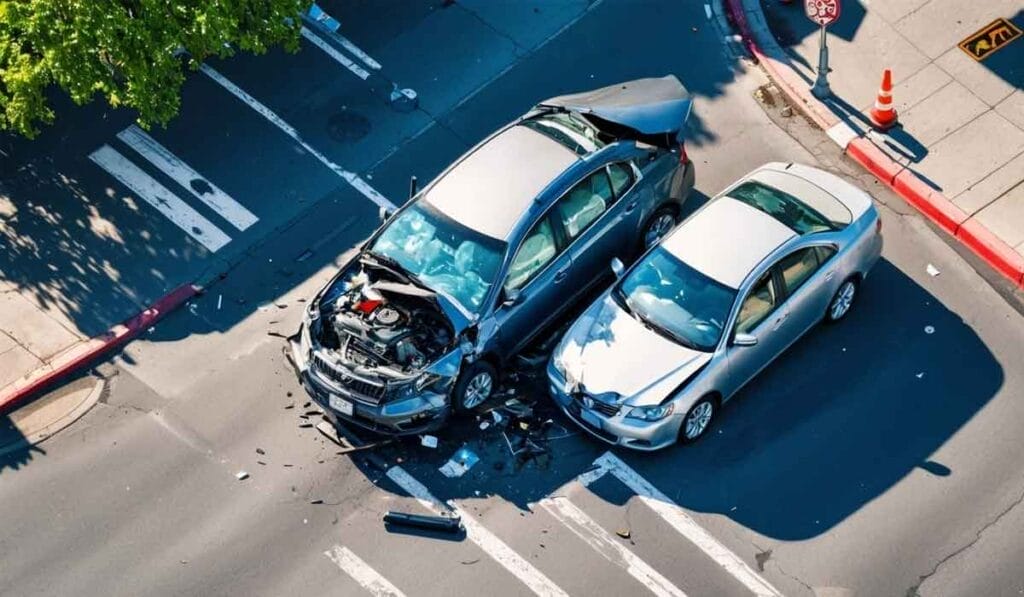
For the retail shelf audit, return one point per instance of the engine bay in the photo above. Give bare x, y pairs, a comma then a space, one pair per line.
382, 325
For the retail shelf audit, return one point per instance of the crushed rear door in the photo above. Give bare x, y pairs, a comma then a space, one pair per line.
651, 110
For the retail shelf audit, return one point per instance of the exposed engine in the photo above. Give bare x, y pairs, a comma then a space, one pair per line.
381, 325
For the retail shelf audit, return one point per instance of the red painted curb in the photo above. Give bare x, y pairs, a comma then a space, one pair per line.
933, 204
88, 350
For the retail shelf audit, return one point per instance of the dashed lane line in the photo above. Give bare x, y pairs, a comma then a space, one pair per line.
157, 195
684, 525
338, 57
591, 533
362, 573
183, 174
350, 177
477, 533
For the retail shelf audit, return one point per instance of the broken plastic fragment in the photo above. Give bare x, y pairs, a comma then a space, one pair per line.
459, 463
428, 441
624, 533
929, 329
241, 475
932, 270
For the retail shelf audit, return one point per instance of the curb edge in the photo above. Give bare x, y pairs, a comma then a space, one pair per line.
86, 351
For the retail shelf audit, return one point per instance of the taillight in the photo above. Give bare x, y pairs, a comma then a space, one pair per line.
683, 158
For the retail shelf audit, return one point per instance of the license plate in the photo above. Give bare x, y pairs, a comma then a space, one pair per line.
341, 405
590, 417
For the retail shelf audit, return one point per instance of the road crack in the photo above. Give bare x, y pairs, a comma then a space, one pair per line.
913, 590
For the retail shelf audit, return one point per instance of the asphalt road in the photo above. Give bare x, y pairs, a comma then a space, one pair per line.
875, 458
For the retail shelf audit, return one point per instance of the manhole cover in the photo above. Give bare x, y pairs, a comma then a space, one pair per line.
348, 126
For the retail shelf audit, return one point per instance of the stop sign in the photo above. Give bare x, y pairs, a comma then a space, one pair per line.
822, 12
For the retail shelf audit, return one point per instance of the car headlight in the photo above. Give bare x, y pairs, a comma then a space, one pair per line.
558, 363
651, 413
432, 381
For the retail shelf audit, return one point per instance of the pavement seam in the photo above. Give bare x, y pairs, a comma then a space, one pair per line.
987, 176
913, 590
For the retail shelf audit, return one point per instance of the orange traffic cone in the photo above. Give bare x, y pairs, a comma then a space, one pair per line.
883, 115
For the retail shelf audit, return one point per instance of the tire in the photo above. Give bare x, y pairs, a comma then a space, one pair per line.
842, 300
703, 414
661, 222
480, 375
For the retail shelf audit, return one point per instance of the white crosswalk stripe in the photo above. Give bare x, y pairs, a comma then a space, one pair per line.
335, 54
362, 573
477, 533
184, 175
603, 543
157, 195
686, 526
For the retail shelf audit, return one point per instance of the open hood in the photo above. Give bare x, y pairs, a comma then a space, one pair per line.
655, 106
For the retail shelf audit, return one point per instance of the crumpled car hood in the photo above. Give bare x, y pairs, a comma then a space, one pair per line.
651, 106
608, 350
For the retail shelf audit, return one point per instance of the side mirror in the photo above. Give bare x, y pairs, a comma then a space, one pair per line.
617, 267
384, 214
512, 296
744, 340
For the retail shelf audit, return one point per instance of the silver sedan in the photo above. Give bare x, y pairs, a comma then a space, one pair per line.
701, 313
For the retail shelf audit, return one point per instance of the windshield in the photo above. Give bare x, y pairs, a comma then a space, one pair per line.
676, 300
442, 254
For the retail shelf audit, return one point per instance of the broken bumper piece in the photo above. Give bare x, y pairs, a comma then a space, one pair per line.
404, 416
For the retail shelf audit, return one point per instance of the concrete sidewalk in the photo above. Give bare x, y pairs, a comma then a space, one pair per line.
962, 120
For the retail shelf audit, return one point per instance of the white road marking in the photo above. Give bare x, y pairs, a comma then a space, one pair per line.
362, 573
184, 175
603, 543
157, 195
356, 51
477, 533
329, 24
686, 526
350, 177
336, 55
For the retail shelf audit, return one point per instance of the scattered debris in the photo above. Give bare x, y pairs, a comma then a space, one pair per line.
459, 463
220, 299
241, 475
306, 405
317, 501
450, 524
932, 270
261, 462
762, 558
929, 329
623, 532
305, 425
288, 465
470, 562
429, 441
260, 451
290, 406
920, 375
310, 413
497, 417
484, 425
344, 438
786, 111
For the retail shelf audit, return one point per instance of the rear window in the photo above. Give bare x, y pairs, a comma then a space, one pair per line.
785, 208
568, 130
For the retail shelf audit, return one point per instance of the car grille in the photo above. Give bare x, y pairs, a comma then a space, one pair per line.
575, 408
360, 389
608, 410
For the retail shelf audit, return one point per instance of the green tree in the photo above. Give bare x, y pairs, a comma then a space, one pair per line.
127, 50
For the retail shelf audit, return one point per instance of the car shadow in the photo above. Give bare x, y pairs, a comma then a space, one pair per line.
845, 414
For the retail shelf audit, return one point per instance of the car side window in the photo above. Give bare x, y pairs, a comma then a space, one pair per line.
538, 249
585, 203
824, 253
622, 178
797, 267
758, 305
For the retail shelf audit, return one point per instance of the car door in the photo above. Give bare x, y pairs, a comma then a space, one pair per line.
759, 316
808, 287
590, 216
539, 275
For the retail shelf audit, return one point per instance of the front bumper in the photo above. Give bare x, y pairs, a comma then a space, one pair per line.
616, 430
408, 416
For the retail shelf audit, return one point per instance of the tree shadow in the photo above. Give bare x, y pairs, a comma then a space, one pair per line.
15, 451
839, 419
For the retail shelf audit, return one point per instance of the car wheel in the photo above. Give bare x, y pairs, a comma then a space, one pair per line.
475, 386
698, 420
840, 304
660, 224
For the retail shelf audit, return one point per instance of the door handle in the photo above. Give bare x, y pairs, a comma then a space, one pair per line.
631, 206
830, 275
561, 275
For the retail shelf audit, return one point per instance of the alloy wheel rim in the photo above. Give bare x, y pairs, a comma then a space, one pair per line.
843, 300
698, 420
659, 228
478, 390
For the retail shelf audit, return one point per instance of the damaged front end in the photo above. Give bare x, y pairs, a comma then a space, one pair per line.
380, 351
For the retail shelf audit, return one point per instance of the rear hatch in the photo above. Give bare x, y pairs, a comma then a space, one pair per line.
652, 110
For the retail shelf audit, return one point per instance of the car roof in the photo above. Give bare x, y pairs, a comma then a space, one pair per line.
491, 188
726, 240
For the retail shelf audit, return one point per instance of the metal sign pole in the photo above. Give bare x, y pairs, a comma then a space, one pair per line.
821, 89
